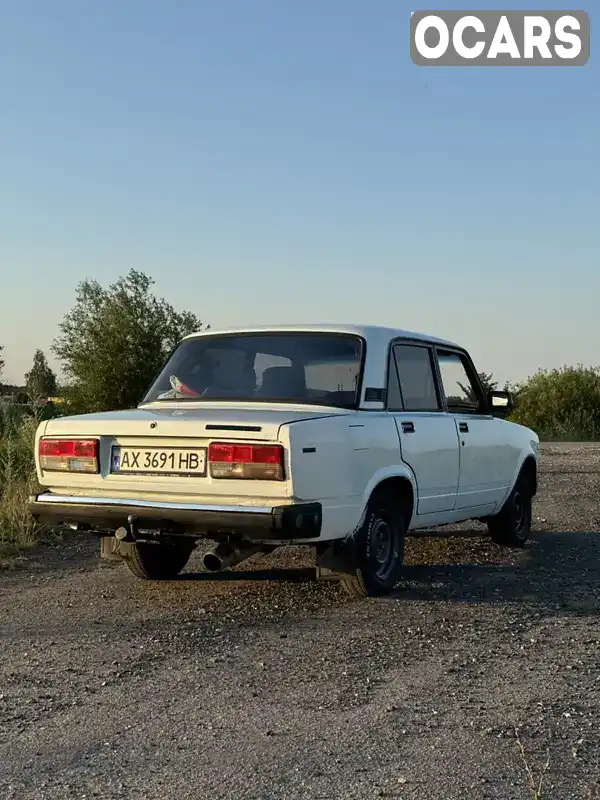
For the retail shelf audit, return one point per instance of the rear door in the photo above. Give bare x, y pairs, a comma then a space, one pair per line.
428, 436
486, 456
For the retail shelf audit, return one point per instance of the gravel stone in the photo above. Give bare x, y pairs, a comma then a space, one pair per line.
240, 686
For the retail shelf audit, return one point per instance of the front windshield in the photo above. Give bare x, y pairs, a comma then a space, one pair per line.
315, 368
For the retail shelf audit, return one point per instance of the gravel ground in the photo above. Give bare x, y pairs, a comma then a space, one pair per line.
244, 687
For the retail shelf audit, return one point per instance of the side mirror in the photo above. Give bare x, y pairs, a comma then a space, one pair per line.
499, 403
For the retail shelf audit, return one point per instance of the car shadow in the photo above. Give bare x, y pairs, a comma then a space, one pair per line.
558, 570
279, 575
557, 574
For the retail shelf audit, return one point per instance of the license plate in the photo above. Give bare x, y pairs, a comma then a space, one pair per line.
182, 461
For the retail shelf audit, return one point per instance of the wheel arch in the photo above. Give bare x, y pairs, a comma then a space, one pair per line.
338, 558
529, 472
527, 466
397, 484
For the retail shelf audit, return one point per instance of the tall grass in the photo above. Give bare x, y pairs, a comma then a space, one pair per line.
18, 478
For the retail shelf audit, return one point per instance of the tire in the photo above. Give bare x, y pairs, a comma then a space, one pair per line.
512, 525
157, 562
378, 552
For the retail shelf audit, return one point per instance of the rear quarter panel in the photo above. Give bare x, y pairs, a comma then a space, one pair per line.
339, 461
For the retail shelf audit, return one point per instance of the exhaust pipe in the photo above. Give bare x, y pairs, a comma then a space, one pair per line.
228, 555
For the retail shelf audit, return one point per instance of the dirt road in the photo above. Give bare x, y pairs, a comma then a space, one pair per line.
247, 688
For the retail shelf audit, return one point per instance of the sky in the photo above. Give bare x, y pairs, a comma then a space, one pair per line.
275, 161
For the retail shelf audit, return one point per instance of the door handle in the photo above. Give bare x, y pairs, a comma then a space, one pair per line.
408, 427
463, 427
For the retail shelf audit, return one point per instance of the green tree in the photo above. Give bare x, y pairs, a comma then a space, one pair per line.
1, 360
487, 382
114, 341
40, 380
560, 403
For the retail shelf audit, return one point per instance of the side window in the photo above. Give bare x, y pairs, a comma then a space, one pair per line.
393, 393
416, 376
461, 393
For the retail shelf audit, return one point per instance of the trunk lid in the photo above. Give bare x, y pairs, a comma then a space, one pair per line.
178, 433
207, 421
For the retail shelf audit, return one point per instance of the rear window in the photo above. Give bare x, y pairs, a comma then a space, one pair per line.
319, 369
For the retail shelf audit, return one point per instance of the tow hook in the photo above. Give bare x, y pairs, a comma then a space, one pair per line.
127, 534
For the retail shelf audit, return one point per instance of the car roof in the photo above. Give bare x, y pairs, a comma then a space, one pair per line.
371, 333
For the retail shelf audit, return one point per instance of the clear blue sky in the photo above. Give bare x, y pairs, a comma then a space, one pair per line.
277, 161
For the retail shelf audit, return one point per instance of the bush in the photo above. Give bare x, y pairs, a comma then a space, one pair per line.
18, 478
561, 404
13, 414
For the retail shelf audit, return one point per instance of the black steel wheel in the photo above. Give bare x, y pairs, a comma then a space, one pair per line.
160, 561
511, 527
378, 551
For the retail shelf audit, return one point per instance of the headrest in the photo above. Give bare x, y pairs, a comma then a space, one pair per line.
283, 382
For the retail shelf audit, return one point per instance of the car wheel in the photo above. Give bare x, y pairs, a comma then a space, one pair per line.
157, 562
512, 525
378, 552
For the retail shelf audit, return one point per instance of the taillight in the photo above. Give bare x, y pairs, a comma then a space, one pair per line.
69, 455
248, 461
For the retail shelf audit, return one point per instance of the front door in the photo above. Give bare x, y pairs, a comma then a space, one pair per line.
428, 436
486, 457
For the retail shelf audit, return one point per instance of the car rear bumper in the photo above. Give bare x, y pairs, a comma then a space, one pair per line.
296, 521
